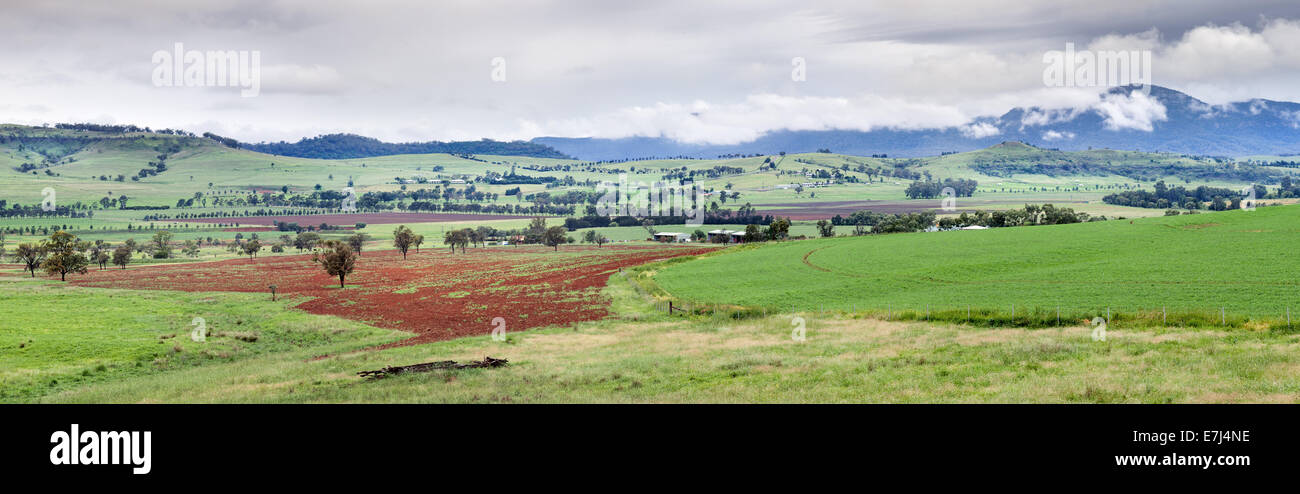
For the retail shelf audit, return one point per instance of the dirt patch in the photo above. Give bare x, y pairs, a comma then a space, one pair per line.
828, 209
527, 287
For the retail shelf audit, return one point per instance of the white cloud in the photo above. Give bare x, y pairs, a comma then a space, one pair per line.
979, 130
1135, 110
313, 79
734, 123
1053, 135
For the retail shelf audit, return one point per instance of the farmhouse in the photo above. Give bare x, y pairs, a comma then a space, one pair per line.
671, 237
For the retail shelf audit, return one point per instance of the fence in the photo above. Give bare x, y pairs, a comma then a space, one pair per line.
1011, 316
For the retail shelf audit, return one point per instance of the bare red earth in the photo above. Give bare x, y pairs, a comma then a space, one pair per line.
435, 294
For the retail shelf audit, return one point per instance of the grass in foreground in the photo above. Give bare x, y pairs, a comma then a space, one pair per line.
55, 337
643, 357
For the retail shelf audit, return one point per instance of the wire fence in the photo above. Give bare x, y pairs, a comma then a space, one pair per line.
1012, 315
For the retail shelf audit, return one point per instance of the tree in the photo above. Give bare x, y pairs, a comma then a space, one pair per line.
403, 237
191, 248
536, 230
779, 229
457, 238
417, 241
251, 248
825, 228
356, 241
482, 233
753, 233
122, 256
555, 236
31, 256
162, 245
101, 258
64, 255
338, 259
306, 241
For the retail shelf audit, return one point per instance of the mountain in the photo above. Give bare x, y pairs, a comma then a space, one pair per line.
1166, 120
338, 146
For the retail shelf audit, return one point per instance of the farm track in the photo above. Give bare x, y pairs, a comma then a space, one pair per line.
436, 295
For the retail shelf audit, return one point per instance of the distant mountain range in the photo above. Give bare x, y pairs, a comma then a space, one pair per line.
1189, 126
342, 146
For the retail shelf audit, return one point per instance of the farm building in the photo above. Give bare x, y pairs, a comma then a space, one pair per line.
726, 236
671, 237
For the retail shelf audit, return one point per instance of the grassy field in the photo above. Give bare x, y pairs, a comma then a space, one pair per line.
967, 316
1194, 264
55, 337
644, 357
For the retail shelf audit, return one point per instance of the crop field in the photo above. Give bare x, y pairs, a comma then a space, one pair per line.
351, 219
1241, 263
434, 294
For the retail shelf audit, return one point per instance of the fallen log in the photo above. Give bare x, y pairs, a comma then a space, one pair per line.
431, 366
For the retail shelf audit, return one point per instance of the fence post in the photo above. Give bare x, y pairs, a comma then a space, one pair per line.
1058, 315
889, 311
1164, 315
1223, 315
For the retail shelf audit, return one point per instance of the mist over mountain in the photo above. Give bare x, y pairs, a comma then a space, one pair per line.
1165, 120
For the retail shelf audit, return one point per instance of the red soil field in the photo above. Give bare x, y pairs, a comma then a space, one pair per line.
352, 219
435, 294
828, 209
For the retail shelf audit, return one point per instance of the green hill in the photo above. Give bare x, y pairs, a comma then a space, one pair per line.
1238, 260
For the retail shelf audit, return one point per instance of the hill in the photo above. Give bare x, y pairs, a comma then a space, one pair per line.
1085, 269
1179, 124
342, 146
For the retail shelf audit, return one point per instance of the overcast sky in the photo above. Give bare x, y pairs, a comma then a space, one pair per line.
694, 70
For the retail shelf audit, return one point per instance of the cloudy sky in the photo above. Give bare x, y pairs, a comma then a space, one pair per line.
694, 70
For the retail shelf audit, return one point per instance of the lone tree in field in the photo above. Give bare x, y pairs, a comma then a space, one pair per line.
417, 241
31, 256
402, 239
65, 255
356, 241
122, 256
102, 258
555, 236
162, 245
337, 259
251, 248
